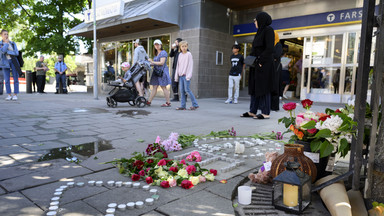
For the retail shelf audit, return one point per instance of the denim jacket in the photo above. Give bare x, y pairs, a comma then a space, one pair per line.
4, 51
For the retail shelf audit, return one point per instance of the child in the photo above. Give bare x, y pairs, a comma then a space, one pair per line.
127, 74
183, 75
238, 66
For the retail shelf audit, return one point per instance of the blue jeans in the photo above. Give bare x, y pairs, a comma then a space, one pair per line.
61, 78
184, 88
7, 78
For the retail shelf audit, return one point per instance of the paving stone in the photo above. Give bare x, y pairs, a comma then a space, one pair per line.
225, 190
102, 157
6, 150
6, 161
2, 191
78, 141
27, 157
107, 175
79, 208
14, 141
113, 136
8, 135
58, 169
105, 130
12, 172
24, 128
50, 126
16, 204
42, 195
200, 203
125, 195
78, 132
45, 132
44, 145
23, 133
153, 213
41, 138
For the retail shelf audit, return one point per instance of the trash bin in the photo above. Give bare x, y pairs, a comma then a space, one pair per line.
28, 80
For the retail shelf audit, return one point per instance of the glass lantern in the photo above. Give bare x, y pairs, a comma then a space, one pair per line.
292, 189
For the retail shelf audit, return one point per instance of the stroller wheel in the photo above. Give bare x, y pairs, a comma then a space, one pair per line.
141, 102
108, 101
113, 103
132, 103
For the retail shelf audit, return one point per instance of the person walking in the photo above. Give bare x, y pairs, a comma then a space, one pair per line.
41, 69
34, 80
238, 66
8, 61
297, 68
175, 54
335, 81
276, 79
183, 75
160, 63
260, 76
285, 75
60, 69
140, 55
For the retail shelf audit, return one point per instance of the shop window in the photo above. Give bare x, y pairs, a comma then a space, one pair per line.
219, 58
351, 48
108, 64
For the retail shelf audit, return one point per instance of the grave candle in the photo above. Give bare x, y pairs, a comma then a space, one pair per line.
131, 205
290, 195
119, 183
122, 207
112, 205
91, 183
128, 184
139, 204
99, 183
149, 201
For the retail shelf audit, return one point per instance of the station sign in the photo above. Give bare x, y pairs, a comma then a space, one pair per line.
104, 10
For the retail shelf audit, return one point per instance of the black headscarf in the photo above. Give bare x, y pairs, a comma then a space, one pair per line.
263, 20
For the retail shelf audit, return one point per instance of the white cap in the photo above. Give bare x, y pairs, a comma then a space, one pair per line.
136, 41
157, 41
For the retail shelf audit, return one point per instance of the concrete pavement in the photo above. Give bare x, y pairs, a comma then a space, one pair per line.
34, 124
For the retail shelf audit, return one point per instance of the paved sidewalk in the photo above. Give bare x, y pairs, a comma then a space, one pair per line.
37, 123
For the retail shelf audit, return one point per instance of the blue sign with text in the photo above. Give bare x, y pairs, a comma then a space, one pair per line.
321, 19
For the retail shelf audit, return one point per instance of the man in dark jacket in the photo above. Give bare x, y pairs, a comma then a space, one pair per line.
175, 54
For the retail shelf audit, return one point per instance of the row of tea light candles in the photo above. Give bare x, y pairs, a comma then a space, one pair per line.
55, 201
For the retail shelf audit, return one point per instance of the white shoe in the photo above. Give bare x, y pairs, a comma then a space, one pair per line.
14, 97
235, 101
8, 98
228, 101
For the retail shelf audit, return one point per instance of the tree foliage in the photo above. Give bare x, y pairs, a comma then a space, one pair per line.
44, 24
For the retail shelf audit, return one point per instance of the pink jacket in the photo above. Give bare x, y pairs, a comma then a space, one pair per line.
184, 66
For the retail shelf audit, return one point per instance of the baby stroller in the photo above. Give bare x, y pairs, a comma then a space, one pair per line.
126, 92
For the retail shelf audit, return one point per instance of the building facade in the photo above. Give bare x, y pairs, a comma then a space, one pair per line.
324, 34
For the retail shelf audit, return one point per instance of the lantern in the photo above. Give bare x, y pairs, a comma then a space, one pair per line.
292, 189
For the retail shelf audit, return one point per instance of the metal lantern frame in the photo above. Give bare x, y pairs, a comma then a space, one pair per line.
292, 176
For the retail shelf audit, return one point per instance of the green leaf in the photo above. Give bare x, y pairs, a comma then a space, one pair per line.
315, 145
158, 155
140, 140
95, 158
235, 205
324, 133
326, 149
309, 125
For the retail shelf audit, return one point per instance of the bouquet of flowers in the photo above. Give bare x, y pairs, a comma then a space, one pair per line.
170, 144
327, 132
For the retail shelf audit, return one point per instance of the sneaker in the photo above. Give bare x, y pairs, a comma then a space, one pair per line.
235, 101
8, 98
14, 98
228, 101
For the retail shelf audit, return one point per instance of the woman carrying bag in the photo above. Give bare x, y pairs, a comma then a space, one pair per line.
8, 52
160, 76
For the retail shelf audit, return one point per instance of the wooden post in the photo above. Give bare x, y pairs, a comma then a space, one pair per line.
356, 159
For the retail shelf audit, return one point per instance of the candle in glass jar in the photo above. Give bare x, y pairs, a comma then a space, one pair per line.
290, 195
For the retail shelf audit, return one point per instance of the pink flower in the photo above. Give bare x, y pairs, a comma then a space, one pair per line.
158, 139
202, 179
172, 182
191, 169
164, 184
142, 173
189, 158
183, 162
149, 168
162, 162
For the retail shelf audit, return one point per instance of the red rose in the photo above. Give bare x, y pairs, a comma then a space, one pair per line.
173, 169
142, 173
183, 162
312, 131
289, 106
149, 161
337, 111
186, 184
191, 169
324, 118
162, 162
164, 184
213, 171
139, 164
307, 103
135, 177
149, 180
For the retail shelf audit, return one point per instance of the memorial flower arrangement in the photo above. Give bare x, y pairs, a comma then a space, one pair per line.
327, 132
170, 144
156, 169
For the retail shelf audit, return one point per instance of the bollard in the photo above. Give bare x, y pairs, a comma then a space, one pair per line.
28, 79
1, 81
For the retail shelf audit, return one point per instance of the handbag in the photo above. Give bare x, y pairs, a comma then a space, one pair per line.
158, 72
251, 61
17, 66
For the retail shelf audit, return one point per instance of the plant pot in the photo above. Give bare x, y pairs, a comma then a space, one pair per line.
320, 163
294, 152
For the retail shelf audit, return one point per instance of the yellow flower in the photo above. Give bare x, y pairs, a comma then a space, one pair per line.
162, 174
210, 177
194, 179
158, 170
183, 173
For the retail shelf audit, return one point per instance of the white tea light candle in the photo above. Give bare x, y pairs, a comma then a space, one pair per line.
55, 199
111, 183
112, 205
244, 195
111, 211
128, 184
139, 204
91, 183
122, 207
146, 187
80, 184
119, 183
53, 208
58, 194
149, 201
131, 205
59, 190
52, 213
55, 203
136, 185
99, 183
153, 191
71, 184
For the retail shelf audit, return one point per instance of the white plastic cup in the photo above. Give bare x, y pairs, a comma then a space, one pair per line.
244, 195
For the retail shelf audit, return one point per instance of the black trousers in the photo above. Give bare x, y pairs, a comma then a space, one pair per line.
34, 80
261, 102
275, 102
40, 80
175, 85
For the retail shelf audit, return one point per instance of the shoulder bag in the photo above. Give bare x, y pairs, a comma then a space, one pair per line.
251, 61
159, 72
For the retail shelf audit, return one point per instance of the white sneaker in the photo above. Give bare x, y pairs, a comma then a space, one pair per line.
14, 97
235, 101
228, 101
8, 98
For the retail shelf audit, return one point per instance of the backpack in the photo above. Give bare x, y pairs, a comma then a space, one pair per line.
19, 57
